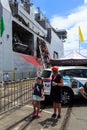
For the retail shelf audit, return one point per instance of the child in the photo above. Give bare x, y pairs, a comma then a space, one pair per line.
38, 95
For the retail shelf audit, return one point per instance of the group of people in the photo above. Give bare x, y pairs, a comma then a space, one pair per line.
56, 93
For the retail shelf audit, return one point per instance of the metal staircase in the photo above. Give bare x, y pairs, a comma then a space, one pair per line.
42, 55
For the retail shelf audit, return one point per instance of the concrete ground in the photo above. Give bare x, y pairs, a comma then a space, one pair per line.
21, 119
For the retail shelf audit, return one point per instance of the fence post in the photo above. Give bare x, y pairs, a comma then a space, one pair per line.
21, 100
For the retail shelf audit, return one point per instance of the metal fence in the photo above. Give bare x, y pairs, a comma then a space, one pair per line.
15, 93
16, 75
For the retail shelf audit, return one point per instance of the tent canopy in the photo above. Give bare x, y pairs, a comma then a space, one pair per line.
73, 58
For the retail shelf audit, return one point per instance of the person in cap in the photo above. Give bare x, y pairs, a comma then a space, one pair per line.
56, 91
38, 95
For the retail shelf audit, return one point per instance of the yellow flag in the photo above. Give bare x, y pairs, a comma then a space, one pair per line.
81, 35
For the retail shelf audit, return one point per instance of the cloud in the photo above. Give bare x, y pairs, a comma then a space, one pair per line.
71, 22
85, 1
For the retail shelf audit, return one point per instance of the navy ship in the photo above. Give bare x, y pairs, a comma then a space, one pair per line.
27, 40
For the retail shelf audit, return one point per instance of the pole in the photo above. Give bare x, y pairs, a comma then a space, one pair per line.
79, 46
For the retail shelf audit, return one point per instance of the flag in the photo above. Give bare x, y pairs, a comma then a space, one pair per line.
2, 26
81, 35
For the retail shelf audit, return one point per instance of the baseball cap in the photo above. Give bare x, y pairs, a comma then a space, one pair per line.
55, 68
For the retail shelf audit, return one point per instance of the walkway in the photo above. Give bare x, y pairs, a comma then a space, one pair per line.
20, 119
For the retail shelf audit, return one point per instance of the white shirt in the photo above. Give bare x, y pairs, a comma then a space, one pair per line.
5, 77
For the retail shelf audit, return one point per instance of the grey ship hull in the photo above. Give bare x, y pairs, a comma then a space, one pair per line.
29, 32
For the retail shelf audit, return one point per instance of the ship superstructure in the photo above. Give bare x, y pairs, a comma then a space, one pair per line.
28, 40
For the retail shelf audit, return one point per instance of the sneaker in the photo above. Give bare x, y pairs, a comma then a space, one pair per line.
59, 116
34, 113
54, 115
38, 114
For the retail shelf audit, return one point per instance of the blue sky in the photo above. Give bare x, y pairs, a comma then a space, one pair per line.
67, 14
57, 7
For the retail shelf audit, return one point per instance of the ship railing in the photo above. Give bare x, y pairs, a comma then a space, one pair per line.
14, 8
33, 25
20, 12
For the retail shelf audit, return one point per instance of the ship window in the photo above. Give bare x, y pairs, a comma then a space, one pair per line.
23, 40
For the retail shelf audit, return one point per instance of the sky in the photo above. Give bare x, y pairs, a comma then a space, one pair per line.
68, 15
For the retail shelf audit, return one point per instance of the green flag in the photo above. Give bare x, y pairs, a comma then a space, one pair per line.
2, 26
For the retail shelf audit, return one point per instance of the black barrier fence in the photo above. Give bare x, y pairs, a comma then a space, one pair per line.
15, 93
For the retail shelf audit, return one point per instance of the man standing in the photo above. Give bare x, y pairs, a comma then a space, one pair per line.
6, 77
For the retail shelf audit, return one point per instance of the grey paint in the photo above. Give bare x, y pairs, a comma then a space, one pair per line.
10, 60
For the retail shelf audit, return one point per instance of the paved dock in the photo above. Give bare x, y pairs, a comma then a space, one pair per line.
21, 119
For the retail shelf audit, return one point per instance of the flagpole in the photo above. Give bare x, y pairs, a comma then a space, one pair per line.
79, 46
79, 39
